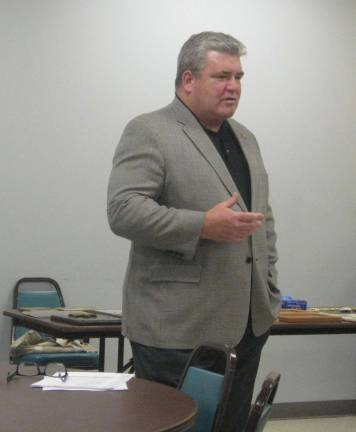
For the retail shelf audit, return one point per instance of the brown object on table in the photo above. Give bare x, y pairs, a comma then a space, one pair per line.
145, 407
82, 314
305, 316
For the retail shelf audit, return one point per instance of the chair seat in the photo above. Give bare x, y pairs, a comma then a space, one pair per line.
70, 359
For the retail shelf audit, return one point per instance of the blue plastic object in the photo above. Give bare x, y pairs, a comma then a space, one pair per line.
288, 302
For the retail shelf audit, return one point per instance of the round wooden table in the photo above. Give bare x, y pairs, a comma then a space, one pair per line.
145, 407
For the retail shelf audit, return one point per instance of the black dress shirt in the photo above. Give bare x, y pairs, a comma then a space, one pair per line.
230, 150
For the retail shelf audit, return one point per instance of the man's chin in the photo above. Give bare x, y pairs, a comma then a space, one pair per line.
228, 112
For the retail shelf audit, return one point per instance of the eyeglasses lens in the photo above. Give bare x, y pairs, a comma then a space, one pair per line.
28, 369
56, 370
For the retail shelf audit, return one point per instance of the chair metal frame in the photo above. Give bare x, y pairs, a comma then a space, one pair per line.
263, 405
229, 373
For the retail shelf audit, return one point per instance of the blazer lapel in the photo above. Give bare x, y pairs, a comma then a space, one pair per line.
250, 155
199, 138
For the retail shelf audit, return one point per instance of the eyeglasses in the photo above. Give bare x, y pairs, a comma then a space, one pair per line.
55, 370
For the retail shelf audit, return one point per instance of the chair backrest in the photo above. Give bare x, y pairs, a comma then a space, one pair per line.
262, 407
205, 388
210, 389
35, 292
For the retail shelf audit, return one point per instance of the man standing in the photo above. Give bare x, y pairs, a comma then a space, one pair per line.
189, 189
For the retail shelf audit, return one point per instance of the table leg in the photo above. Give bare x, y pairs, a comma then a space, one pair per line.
101, 354
120, 354
121, 367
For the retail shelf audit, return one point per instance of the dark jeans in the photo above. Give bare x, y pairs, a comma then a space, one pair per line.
166, 366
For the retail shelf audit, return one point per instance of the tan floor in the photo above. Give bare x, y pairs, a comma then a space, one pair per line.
327, 424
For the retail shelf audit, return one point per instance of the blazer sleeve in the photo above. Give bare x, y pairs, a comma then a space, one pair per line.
272, 251
136, 183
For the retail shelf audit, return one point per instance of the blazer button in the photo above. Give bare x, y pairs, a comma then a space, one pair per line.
249, 260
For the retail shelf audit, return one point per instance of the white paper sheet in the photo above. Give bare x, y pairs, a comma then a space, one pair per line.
88, 381
349, 317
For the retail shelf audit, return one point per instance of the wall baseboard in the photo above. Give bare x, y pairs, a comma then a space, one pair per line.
328, 408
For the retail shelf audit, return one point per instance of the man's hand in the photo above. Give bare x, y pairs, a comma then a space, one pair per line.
222, 224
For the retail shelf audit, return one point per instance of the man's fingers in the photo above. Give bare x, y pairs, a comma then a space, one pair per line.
249, 217
223, 224
231, 201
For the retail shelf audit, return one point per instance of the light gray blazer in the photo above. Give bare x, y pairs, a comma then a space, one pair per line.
180, 290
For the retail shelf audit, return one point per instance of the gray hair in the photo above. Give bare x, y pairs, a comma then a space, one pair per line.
192, 56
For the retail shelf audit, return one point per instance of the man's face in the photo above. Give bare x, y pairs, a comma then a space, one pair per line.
214, 94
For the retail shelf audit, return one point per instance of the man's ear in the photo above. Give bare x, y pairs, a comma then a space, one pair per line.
188, 81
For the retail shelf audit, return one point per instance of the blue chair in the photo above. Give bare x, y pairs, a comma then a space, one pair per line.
45, 292
210, 389
262, 408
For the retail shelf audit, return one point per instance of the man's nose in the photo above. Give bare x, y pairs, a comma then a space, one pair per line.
233, 84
